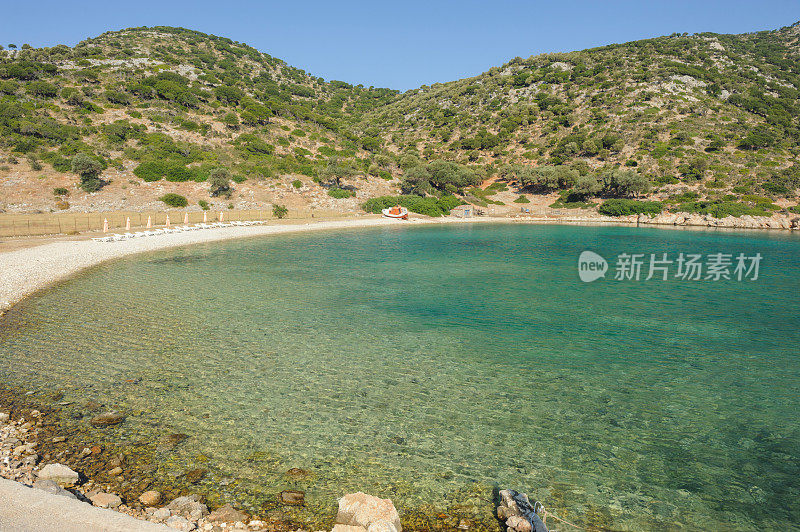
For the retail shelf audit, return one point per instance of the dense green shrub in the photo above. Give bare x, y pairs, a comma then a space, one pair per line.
723, 208
60, 191
522, 199
43, 89
169, 170
117, 97
228, 95
429, 206
625, 207
174, 200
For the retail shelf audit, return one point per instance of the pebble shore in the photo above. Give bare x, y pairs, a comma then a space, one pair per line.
20, 461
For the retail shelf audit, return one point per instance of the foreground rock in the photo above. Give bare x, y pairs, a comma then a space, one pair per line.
180, 523
105, 500
51, 487
189, 507
509, 512
60, 474
150, 498
359, 512
227, 514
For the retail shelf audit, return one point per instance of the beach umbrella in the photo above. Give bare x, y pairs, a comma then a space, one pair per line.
186, 218
149, 223
167, 222
128, 224
105, 225
221, 216
205, 216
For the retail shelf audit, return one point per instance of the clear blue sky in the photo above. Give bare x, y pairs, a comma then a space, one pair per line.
403, 44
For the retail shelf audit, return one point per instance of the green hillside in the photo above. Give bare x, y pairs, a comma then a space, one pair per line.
706, 122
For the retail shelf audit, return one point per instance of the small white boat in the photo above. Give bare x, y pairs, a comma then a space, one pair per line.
396, 212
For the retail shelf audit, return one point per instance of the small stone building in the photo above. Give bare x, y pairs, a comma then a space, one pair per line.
463, 211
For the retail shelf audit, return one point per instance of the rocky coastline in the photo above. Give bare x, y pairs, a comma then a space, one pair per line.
777, 221
39, 451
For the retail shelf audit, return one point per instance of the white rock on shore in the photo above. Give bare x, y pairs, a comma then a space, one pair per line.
60, 474
105, 500
365, 513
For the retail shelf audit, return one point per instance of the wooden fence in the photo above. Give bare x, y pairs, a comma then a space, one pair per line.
22, 225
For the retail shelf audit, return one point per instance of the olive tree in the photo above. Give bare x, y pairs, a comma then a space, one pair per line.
336, 170
219, 181
621, 182
88, 168
587, 185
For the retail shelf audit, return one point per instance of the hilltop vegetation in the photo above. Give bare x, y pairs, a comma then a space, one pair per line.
712, 115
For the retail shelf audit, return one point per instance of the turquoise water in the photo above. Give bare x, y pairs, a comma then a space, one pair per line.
427, 364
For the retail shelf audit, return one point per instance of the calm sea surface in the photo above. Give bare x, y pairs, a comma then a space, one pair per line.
429, 364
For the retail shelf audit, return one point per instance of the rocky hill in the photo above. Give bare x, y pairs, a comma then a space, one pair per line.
703, 123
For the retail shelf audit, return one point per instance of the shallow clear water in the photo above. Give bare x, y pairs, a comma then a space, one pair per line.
427, 364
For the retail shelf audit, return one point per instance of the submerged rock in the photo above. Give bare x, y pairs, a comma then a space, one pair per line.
150, 498
368, 512
194, 476
177, 438
293, 497
297, 474
108, 418
60, 474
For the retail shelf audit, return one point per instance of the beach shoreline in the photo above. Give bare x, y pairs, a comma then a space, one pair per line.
26, 269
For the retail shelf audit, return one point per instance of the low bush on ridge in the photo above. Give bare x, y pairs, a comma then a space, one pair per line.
174, 200
723, 209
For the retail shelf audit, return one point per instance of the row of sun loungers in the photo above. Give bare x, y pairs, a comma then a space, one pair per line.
176, 229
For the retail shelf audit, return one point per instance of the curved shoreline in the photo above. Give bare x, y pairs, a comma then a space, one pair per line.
26, 271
